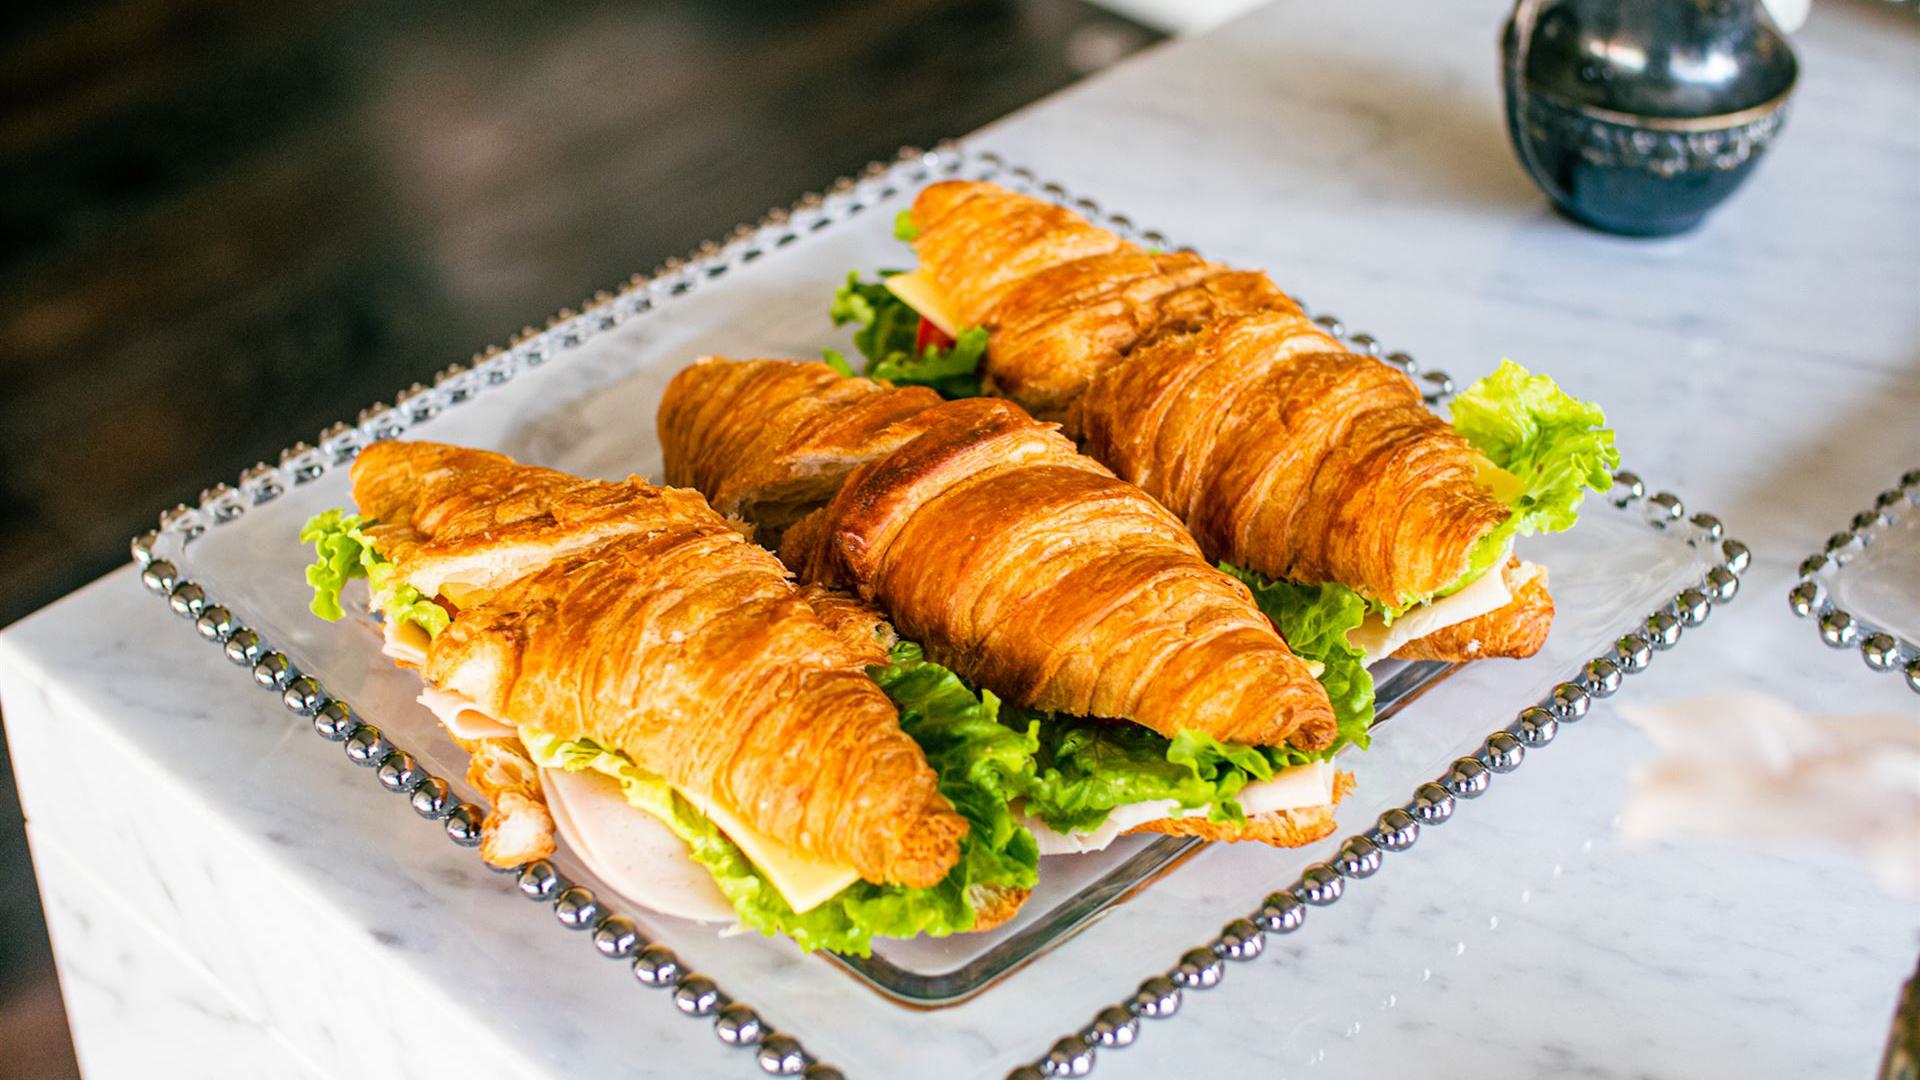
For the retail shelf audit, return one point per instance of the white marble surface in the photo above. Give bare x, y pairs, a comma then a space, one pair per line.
217, 877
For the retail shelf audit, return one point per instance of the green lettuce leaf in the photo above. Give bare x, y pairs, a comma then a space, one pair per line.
1556, 446
1069, 771
1086, 767
983, 763
953, 370
904, 230
888, 328
1315, 620
342, 552
977, 759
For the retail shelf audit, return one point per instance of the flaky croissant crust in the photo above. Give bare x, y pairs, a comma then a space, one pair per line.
668, 637
1208, 387
1026, 566
1061, 297
796, 453
1292, 459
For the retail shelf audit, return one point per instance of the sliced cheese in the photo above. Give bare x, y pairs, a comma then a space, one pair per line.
924, 296
405, 642
1290, 789
805, 880
1505, 486
459, 715
1378, 640
462, 595
633, 852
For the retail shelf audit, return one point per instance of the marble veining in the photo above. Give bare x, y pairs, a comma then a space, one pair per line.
330, 930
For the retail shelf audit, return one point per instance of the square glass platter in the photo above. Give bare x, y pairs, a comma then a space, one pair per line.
1860, 589
581, 396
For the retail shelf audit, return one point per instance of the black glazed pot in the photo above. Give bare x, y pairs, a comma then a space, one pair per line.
1640, 116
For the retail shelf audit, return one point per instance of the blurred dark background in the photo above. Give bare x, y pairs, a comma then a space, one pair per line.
224, 225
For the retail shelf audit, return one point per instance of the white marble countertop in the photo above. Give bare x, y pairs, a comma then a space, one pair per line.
227, 899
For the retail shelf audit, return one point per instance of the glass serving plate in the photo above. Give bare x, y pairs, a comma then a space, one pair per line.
581, 396
1860, 589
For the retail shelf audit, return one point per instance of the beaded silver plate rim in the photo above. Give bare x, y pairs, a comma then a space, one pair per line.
1881, 647
615, 935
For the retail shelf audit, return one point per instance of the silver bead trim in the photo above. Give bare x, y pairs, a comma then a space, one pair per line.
1395, 831
738, 1025
1811, 596
463, 824
696, 996
616, 937
273, 671
1113, 1027
655, 965
1198, 969
1240, 939
1359, 857
781, 1055
1432, 804
1283, 913
399, 774
368, 747
576, 907
334, 721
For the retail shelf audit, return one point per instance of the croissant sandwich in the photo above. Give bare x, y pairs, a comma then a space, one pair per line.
1157, 694
1289, 457
629, 672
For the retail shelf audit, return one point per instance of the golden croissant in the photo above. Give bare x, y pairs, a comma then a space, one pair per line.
1021, 564
636, 617
1208, 387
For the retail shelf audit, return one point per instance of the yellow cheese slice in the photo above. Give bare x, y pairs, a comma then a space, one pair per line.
805, 880
1505, 486
404, 642
922, 295
462, 595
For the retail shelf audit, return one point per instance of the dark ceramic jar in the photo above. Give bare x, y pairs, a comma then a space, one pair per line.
1640, 116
